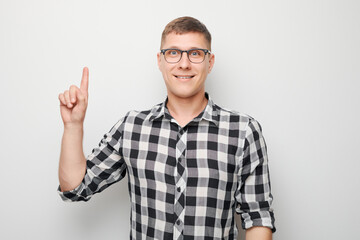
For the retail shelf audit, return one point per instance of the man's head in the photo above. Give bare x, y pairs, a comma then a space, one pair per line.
186, 25
185, 75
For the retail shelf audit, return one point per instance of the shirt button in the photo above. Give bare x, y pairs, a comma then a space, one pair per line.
178, 222
180, 160
178, 189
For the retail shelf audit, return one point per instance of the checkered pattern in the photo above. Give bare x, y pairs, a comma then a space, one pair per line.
184, 183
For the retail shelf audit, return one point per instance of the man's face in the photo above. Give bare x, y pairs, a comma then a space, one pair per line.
185, 79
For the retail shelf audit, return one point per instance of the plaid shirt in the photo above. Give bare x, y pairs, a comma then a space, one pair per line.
184, 183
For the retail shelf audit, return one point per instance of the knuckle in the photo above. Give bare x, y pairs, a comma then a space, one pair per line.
73, 87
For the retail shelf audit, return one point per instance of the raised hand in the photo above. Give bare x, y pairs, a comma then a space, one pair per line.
73, 102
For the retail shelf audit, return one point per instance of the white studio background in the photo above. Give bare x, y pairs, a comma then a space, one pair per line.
292, 65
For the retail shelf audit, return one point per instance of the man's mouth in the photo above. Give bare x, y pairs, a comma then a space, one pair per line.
184, 77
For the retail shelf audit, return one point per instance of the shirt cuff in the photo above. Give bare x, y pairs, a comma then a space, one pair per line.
72, 195
258, 219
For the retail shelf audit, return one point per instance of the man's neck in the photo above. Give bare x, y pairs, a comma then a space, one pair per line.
183, 110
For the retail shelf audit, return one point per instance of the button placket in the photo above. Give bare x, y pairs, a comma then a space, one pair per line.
180, 178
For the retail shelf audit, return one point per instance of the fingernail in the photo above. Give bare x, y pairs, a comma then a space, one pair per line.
73, 99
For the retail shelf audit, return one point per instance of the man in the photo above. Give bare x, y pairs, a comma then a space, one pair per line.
190, 163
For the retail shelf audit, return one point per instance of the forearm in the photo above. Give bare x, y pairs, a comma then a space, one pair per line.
72, 164
257, 233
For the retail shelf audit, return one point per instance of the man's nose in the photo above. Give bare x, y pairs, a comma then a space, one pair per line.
184, 61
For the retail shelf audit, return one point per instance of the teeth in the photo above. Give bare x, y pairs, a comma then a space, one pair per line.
184, 77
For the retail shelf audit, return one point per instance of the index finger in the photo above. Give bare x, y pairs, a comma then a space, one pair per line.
84, 85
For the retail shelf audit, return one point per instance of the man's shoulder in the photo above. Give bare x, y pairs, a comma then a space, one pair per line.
139, 116
230, 115
238, 121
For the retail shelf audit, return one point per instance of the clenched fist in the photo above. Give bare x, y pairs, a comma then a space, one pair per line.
73, 102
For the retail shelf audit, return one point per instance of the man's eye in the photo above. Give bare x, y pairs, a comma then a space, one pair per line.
173, 52
195, 53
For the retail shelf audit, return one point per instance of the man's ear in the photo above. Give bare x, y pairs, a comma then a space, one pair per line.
211, 62
158, 59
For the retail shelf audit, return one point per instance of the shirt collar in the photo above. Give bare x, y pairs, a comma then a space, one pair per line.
210, 113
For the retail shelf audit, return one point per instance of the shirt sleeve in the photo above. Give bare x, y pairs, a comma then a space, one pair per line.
253, 195
104, 166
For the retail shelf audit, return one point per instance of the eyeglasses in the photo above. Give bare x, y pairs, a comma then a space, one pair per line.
173, 55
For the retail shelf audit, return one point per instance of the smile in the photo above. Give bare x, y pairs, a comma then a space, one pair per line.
184, 77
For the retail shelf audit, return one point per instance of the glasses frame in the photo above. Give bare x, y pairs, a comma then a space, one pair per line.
206, 51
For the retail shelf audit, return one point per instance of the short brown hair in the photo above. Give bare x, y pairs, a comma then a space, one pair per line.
185, 25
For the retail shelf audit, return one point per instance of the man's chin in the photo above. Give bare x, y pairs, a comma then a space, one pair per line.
183, 93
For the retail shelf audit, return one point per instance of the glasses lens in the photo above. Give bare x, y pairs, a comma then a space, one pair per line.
172, 55
196, 55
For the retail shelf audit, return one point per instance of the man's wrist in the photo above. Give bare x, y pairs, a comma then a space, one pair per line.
74, 127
